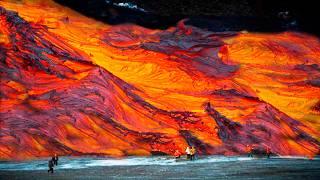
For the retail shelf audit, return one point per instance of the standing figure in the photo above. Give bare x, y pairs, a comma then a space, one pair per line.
177, 154
50, 165
249, 150
55, 159
188, 152
252, 151
192, 153
268, 152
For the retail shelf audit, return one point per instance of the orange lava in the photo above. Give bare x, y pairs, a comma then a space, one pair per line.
75, 86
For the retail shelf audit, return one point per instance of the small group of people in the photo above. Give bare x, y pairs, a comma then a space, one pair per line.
190, 152
53, 162
250, 151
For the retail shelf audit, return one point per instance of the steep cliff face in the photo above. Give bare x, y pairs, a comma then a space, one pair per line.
72, 85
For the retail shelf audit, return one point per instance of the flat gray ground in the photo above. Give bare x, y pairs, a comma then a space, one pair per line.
213, 167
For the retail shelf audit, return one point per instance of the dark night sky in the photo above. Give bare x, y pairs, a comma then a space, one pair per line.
252, 15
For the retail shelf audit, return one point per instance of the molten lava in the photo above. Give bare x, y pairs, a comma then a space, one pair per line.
74, 86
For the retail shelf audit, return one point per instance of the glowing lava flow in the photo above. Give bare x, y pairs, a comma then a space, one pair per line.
72, 85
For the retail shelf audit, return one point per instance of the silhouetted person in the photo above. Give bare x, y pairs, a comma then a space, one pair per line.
249, 150
268, 152
177, 154
188, 152
50, 165
192, 153
55, 159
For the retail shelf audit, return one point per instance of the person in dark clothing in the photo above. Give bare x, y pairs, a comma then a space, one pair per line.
177, 154
55, 159
50, 165
192, 153
249, 150
268, 151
